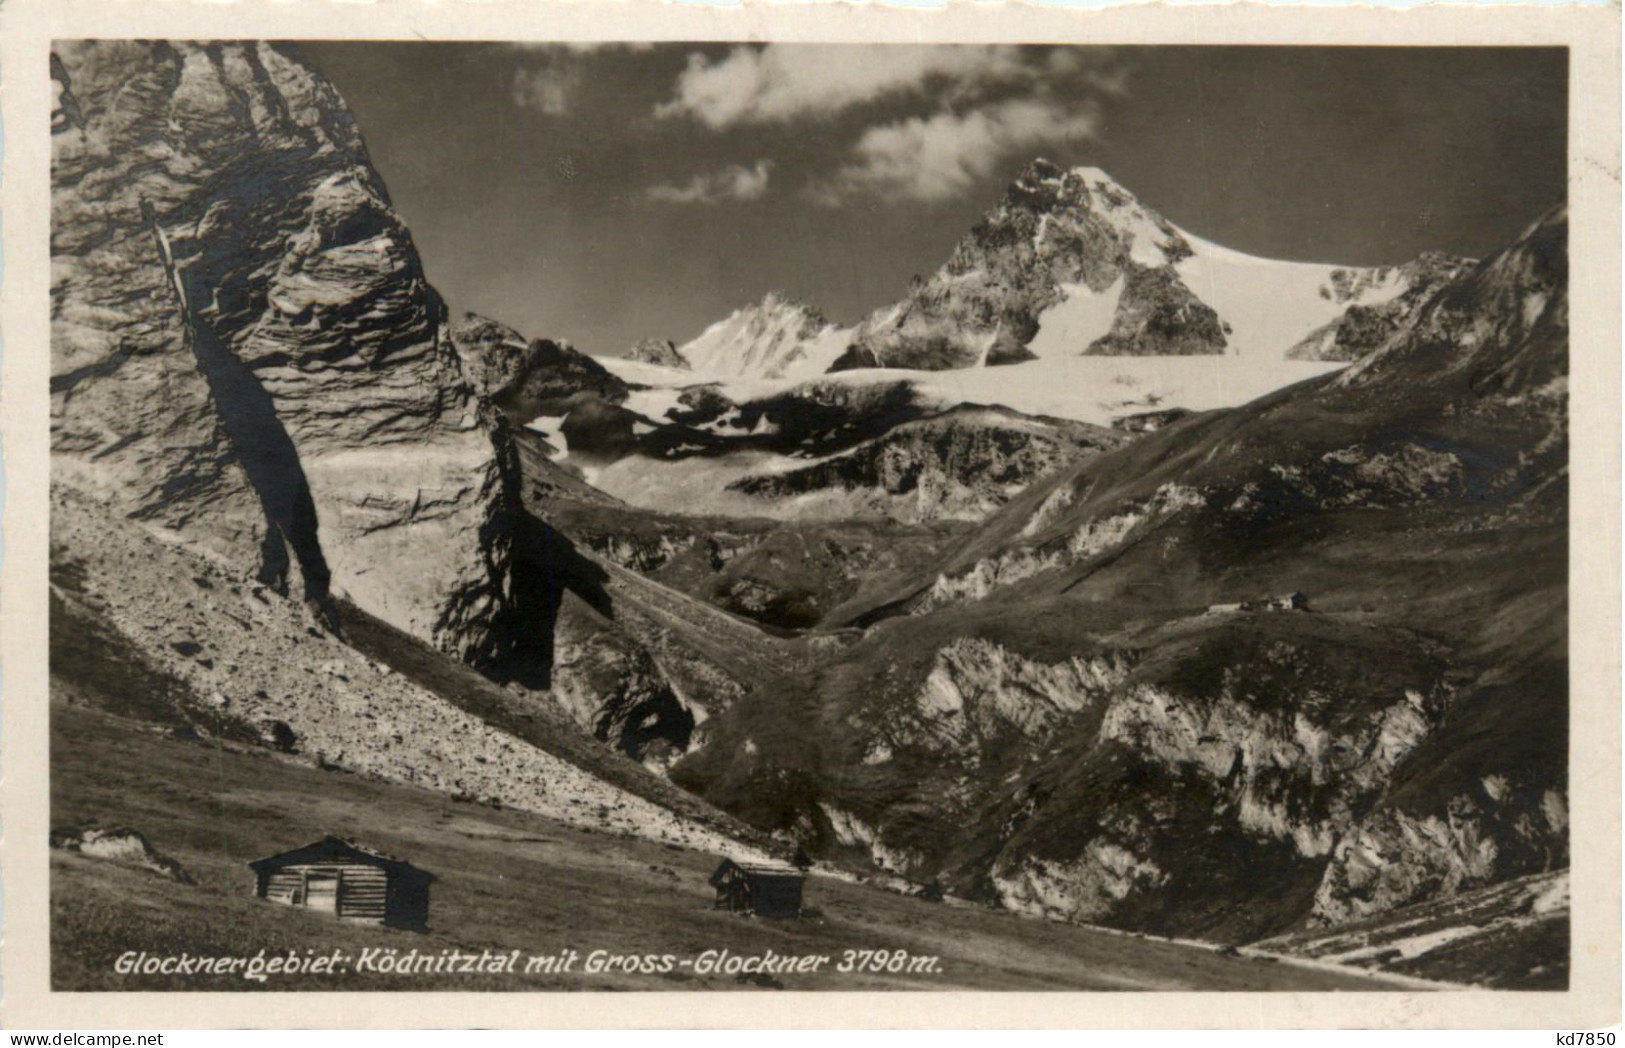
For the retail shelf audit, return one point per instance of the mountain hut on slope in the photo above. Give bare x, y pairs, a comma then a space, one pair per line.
348, 880
766, 889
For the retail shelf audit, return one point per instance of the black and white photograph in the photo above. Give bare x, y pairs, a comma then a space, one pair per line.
771, 516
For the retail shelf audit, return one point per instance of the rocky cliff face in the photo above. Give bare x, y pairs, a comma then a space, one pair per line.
1080, 290
493, 354
244, 349
1157, 315
1510, 935
659, 351
827, 449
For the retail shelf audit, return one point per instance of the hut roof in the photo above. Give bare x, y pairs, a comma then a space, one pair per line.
758, 869
328, 848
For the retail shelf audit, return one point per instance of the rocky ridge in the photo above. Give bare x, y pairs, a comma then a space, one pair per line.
958, 465
255, 389
1053, 228
1366, 325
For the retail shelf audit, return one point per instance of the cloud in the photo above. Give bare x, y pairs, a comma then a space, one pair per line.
550, 88
736, 182
578, 46
781, 82
939, 157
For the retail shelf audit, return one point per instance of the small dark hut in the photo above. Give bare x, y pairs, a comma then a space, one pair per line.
1285, 602
766, 889
348, 880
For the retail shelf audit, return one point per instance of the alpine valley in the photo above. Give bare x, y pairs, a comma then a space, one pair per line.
1107, 577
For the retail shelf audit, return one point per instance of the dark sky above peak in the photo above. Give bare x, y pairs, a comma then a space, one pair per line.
604, 195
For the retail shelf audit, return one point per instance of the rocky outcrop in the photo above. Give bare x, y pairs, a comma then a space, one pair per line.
823, 450
962, 464
121, 845
1293, 780
527, 379
614, 687
1396, 293
1157, 315
257, 396
659, 351
1509, 935
492, 353
244, 348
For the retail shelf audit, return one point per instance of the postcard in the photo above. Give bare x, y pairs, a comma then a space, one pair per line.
1005, 516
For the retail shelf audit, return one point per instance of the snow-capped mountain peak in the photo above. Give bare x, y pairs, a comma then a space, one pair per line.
1070, 262
1072, 297
778, 337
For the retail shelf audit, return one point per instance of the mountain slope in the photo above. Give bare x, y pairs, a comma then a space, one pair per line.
824, 449
1515, 931
1083, 718
212, 653
285, 492
505, 877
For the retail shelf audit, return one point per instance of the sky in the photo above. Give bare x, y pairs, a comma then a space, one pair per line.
603, 195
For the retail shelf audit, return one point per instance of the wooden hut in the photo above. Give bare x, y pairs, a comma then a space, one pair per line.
349, 881
766, 889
